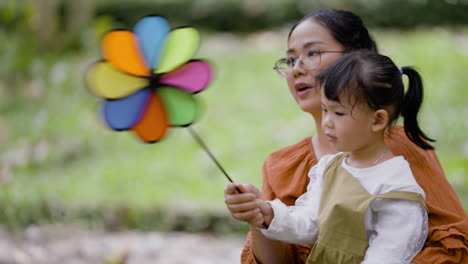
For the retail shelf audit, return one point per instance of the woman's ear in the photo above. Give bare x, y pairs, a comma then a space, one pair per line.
381, 119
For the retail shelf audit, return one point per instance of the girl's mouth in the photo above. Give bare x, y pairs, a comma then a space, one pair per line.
330, 138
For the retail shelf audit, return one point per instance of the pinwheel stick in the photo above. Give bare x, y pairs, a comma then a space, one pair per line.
203, 145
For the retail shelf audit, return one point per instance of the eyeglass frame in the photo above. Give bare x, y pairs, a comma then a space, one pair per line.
284, 75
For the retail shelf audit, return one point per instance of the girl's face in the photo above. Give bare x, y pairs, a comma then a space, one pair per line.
309, 36
349, 127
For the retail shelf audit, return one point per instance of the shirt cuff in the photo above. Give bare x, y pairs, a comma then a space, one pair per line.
277, 223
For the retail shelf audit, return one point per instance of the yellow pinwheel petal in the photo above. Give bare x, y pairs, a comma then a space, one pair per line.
181, 45
106, 81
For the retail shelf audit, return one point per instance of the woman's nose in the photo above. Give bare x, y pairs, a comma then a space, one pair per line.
297, 68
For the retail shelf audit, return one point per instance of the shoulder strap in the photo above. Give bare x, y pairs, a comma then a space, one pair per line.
336, 161
399, 195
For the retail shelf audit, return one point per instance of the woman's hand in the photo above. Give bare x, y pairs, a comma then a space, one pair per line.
245, 206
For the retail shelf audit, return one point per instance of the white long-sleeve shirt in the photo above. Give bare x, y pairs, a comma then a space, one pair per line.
396, 229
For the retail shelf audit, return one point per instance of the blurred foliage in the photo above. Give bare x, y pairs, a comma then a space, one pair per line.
239, 15
59, 163
251, 15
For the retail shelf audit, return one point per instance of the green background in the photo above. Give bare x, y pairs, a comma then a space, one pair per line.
58, 163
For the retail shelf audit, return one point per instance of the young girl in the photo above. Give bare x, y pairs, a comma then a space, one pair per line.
363, 204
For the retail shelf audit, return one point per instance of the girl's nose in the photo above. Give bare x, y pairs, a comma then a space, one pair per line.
326, 121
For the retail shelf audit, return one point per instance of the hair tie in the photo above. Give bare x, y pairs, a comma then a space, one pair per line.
400, 70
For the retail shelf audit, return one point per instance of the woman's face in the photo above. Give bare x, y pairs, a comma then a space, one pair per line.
310, 35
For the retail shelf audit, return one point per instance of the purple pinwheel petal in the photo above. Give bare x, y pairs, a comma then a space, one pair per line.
152, 32
123, 114
192, 77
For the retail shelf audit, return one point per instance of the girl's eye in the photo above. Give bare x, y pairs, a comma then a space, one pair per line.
324, 110
339, 114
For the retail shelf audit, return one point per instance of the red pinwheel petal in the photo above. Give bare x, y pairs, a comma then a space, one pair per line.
154, 124
192, 77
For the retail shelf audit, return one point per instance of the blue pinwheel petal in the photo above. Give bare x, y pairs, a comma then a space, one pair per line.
152, 32
123, 114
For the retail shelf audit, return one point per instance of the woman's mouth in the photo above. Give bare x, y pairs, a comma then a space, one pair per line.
302, 89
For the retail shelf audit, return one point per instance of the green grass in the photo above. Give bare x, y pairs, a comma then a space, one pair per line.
60, 154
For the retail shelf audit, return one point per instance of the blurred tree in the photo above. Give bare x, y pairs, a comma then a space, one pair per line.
79, 14
44, 23
56, 32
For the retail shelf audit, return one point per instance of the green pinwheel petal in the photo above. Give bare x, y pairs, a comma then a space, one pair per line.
180, 105
181, 45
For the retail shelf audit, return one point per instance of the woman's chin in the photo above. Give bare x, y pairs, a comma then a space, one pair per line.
310, 105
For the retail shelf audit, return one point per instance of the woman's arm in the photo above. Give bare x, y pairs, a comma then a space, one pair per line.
265, 250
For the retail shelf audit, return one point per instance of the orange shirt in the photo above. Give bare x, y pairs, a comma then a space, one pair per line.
285, 177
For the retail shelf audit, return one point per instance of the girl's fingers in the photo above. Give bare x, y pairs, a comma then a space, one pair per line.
248, 216
249, 188
239, 198
242, 207
230, 189
258, 221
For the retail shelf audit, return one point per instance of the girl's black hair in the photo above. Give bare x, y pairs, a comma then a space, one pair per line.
368, 77
346, 27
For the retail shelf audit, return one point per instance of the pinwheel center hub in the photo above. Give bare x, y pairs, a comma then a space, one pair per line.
154, 81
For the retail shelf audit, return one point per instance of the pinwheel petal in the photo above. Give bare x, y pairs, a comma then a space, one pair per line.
180, 46
121, 49
152, 32
180, 105
106, 81
153, 125
192, 77
124, 113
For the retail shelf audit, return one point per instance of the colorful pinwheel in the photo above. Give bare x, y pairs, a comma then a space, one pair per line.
147, 78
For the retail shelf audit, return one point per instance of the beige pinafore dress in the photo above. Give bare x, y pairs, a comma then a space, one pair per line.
342, 237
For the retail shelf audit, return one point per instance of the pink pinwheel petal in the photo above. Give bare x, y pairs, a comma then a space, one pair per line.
192, 77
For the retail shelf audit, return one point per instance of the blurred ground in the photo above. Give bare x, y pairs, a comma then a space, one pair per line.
72, 245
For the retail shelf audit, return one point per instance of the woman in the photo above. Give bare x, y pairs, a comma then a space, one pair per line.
331, 33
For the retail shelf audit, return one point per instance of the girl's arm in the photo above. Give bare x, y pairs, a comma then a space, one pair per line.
447, 240
285, 177
244, 207
298, 223
260, 249
400, 231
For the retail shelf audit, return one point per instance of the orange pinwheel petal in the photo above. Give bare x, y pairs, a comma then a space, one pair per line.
120, 48
154, 124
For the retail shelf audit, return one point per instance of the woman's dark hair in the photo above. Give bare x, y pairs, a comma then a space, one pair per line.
368, 77
346, 27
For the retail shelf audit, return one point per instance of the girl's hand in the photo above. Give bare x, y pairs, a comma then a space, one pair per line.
244, 206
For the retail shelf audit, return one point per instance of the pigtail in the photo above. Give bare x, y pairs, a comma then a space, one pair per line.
410, 107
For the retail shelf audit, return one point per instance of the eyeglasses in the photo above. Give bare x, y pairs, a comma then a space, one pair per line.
309, 60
